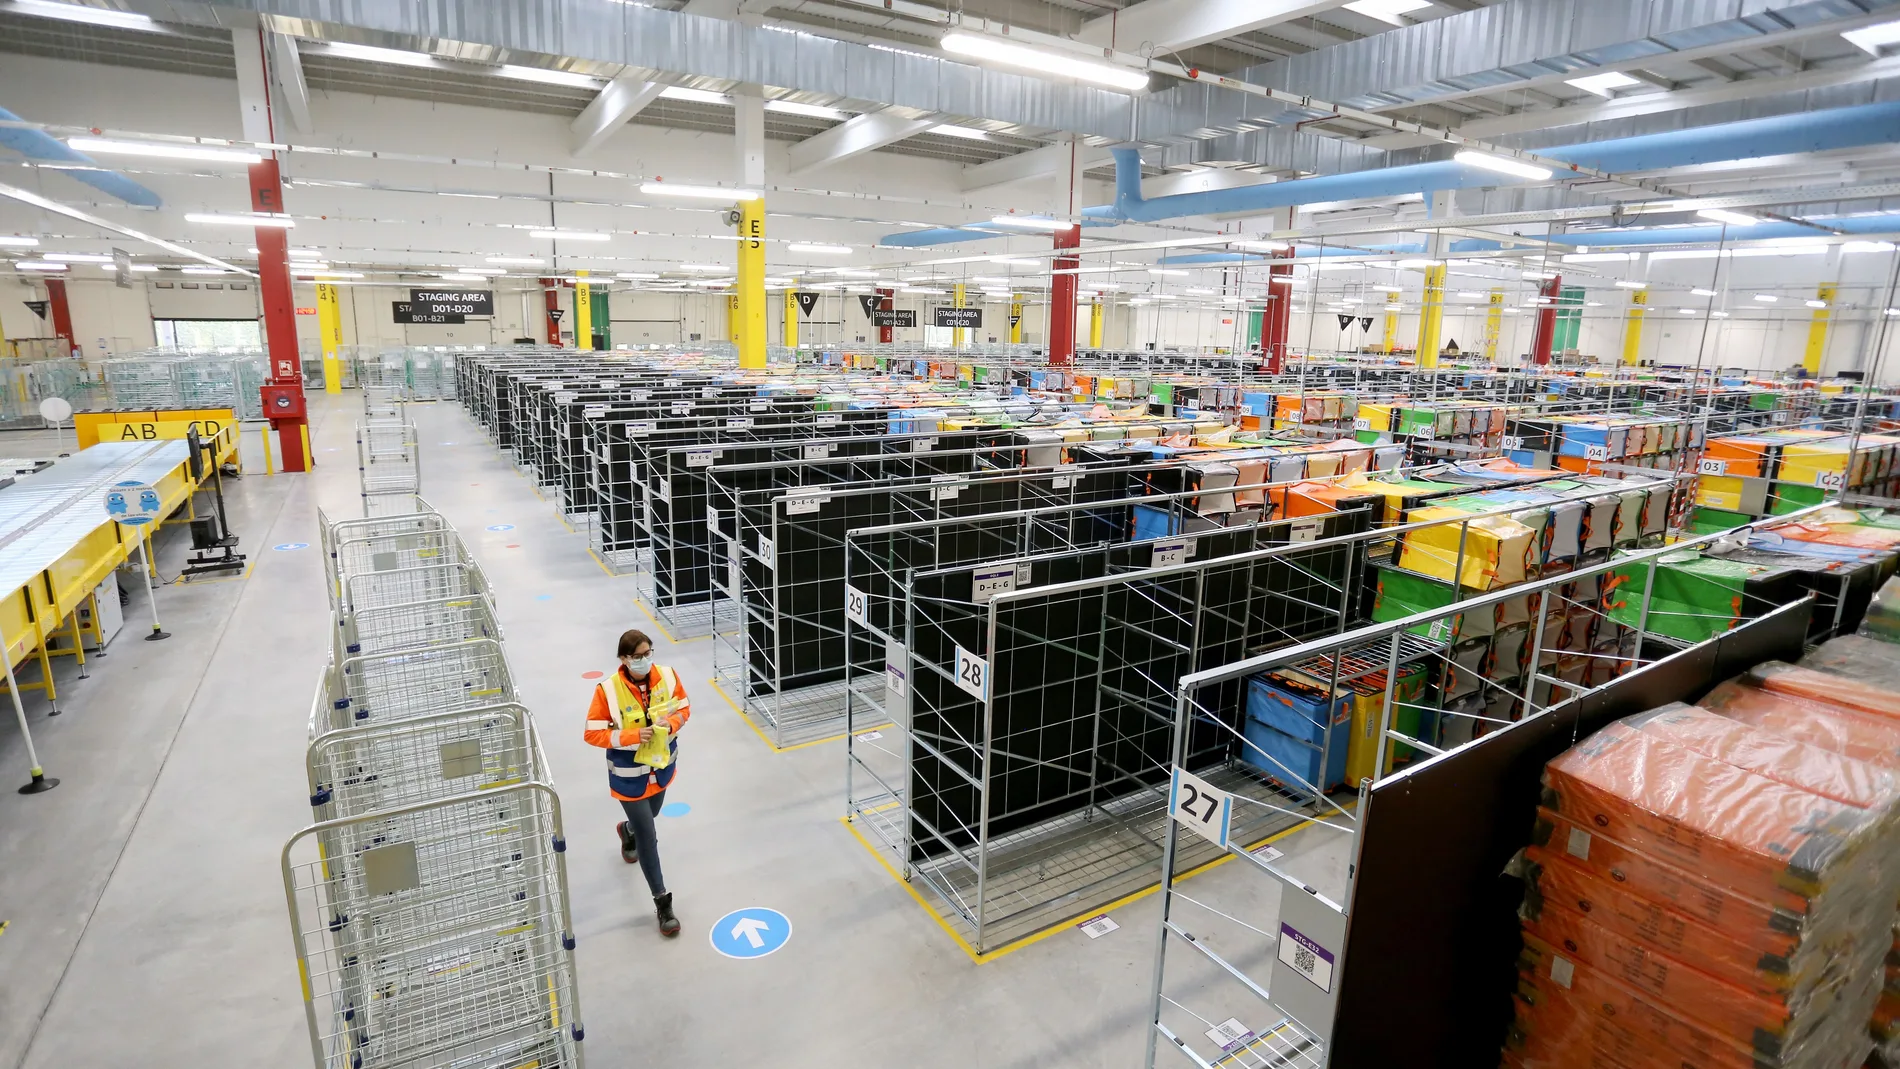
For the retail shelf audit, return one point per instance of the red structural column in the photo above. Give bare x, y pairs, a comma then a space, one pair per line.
284, 392
884, 304
1546, 319
62, 312
1278, 315
551, 293
1062, 299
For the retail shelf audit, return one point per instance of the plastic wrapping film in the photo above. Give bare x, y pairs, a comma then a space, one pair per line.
1832, 727
1871, 660
1779, 677
1883, 614
1776, 756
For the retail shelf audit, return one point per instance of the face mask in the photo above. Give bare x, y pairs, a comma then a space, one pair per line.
639, 666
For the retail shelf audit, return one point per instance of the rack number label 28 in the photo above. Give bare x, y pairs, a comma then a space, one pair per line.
1200, 805
973, 674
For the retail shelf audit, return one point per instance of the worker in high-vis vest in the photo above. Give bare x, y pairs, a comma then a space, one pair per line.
636, 717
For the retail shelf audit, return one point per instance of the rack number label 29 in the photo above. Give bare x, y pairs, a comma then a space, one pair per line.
854, 605
973, 674
1201, 806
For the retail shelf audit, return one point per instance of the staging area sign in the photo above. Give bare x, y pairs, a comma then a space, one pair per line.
406, 312
453, 302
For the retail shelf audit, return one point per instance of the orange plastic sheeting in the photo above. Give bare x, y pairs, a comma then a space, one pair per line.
1845, 780
1823, 724
1780, 677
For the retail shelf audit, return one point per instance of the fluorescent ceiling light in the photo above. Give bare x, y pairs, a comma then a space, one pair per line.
1599, 257
1685, 311
140, 268
919, 289
569, 235
372, 54
205, 153
814, 111
1628, 285
675, 189
1766, 298
1165, 271
1201, 292
1501, 165
719, 282
1260, 246
1702, 292
1870, 39
549, 77
697, 96
203, 270
771, 281
704, 267
1418, 263
1386, 10
1391, 307
124, 20
306, 254
255, 219
1280, 280
17, 241
1723, 215
1043, 62
1718, 315
1815, 304
458, 276
990, 279
1602, 84
526, 261
638, 275
1893, 311
1032, 222
1851, 246
813, 247
320, 273
1545, 275
1469, 293
486, 272
1016, 260
1349, 300
1593, 304
38, 265
76, 257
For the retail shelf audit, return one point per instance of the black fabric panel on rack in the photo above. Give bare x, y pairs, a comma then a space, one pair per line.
1438, 995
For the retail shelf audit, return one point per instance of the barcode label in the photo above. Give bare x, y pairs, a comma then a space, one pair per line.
1578, 844
1306, 957
1562, 971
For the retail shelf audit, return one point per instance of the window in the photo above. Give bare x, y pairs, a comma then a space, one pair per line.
209, 333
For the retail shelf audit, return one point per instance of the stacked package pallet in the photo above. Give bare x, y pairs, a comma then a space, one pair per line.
1715, 885
1777, 471
429, 900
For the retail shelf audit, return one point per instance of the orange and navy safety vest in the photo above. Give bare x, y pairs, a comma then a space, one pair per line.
634, 771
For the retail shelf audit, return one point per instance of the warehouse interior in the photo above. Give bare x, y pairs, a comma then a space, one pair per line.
1221, 533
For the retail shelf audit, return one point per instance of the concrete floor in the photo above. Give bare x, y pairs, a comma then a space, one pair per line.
145, 909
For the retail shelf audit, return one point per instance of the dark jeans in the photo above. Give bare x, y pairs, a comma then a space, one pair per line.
640, 823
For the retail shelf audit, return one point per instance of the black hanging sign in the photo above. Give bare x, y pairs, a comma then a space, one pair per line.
957, 317
1345, 322
900, 318
1365, 322
454, 302
38, 308
806, 302
407, 312
556, 314
1016, 319
869, 303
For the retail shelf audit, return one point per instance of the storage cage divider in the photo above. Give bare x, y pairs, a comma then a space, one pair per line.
1298, 1020
1151, 608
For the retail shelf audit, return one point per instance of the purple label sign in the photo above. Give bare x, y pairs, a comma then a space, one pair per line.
1306, 957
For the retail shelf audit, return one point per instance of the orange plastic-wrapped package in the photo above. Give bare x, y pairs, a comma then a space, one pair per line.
1729, 826
1771, 754
1780, 677
1831, 727
1572, 1016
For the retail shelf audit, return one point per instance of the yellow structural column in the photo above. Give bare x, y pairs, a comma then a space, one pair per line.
1493, 325
583, 314
1095, 323
749, 300
330, 335
959, 336
1431, 316
1817, 330
1633, 328
1391, 322
1016, 320
791, 316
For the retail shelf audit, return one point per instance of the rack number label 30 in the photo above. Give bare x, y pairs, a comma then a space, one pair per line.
1200, 805
973, 674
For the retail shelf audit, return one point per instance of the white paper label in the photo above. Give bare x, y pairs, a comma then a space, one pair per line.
1578, 845
642, 395
1171, 552
709, 391
1427, 432
1512, 443
817, 452
1269, 853
639, 428
827, 419
854, 605
806, 502
1305, 530
1361, 423
1230, 1035
1562, 971
563, 397
1024, 575
870, 736
1097, 927
986, 583
1778, 417
1203, 807
1831, 480
945, 487
1596, 452
1711, 466
669, 382
760, 406
682, 408
1296, 416
1306, 957
923, 445
734, 568
700, 458
738, 423
973, 674
896, 667
1062, 482
593, 411
766, 553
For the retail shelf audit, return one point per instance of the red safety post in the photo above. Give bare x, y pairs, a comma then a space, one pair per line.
61, 311
884, 305
283, 387
1062, 299
1278, 315
1546, 319
551, 294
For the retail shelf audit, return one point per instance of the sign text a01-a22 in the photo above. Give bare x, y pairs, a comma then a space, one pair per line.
453, 302
406, 312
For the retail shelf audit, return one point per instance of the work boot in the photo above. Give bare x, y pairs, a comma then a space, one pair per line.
629, 849
663, 908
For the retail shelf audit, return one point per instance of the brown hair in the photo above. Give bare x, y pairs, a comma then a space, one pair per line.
633, 640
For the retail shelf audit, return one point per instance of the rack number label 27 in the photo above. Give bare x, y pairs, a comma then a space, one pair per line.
1201, 806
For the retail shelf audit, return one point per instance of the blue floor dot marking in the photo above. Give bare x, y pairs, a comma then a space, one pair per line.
752, 932
675, 809
286, 547
501, 526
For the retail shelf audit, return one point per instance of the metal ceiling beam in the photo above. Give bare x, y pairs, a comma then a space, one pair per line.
617, 102
854, 137
286, 68
1174, 24
1042, 162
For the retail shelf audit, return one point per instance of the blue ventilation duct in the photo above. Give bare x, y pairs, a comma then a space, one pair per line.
37, 145
946, 235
